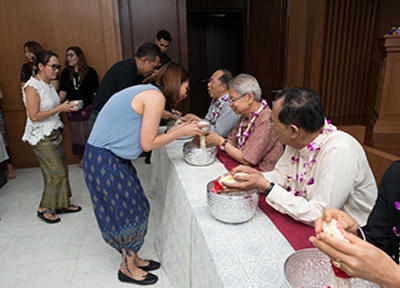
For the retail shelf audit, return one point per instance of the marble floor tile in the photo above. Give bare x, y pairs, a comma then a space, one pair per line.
70, 253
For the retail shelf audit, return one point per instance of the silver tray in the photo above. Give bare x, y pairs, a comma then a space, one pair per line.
308, 268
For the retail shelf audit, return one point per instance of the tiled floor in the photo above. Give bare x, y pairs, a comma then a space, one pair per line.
70, 253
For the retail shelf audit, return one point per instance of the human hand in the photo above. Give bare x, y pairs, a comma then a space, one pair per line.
190, 128
346, 222
248, 178
359, 258
66, 106
191, 117
213, 138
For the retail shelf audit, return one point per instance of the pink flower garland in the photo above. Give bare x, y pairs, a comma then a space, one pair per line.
304, 178
216, 110
394, 229
244, 135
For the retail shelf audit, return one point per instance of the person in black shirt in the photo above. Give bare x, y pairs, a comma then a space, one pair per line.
78, 82
163, 39
124, 74
31, 49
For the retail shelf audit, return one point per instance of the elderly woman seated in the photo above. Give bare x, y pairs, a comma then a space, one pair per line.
252, 142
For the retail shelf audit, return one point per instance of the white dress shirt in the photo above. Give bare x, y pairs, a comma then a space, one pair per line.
339, 178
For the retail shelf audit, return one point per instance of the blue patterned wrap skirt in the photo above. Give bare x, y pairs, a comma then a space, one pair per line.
119, 202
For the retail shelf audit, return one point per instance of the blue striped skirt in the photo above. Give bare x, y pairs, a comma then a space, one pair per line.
119, 202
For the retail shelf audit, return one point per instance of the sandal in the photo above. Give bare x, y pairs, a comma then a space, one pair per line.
47, 220
68, 210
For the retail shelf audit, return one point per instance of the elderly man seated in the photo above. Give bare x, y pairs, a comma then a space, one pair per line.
220, 116
321, 167
252, 142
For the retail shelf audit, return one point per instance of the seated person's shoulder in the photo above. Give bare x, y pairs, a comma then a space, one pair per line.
341, 138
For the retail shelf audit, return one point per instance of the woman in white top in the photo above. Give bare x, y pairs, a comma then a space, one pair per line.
43, 133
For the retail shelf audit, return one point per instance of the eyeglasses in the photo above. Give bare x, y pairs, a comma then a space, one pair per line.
54, 66
272, 123
230, 100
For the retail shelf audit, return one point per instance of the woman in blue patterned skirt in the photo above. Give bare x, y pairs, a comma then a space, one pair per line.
125, 127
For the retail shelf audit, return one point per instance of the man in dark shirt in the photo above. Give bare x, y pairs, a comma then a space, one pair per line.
163, 39
124, 74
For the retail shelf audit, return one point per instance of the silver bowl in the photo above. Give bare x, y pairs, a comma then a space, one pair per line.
77, 104
198, 156
311, 268
205, 126
233, 207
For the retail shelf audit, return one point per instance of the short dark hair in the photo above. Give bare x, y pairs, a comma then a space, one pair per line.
164, 34
44, 56
302, 107
226, 75
150, 50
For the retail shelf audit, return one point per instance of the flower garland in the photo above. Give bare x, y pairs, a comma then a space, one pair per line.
244, 135
216, 110
394, 229
76, 85
299, 180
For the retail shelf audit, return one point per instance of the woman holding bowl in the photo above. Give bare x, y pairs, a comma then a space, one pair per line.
125, 127
43, 133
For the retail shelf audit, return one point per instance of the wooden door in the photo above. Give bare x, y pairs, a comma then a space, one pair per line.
265, 40
243, 36
214, 41
140, 20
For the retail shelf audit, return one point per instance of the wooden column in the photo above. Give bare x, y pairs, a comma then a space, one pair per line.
387, 105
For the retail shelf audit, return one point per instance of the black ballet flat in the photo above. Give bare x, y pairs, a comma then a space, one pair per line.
153, 265
150, 279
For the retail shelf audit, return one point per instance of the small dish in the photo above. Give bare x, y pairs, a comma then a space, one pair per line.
77, 104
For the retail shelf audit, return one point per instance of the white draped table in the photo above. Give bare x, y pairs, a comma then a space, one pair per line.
195, 249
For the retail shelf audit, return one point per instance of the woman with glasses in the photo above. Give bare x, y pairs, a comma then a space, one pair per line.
78, 82
126, 126
251, 142
43, 133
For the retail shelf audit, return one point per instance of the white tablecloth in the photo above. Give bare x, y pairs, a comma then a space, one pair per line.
195, 249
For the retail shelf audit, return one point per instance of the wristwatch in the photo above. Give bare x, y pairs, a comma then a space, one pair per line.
222, 146
268, 190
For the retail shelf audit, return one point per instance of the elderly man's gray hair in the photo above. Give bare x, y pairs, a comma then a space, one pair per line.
244, 83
